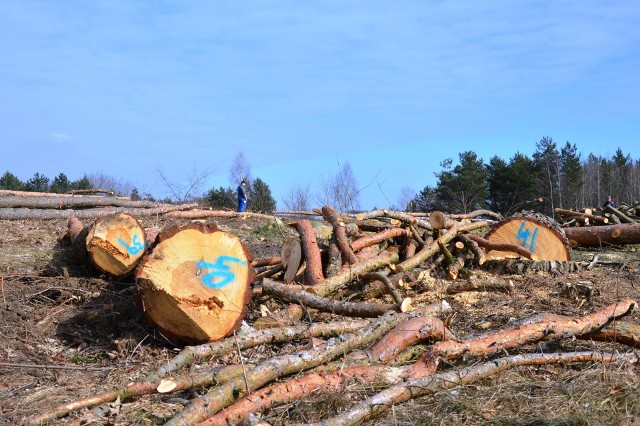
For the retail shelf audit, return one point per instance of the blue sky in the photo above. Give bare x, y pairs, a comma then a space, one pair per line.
128, 88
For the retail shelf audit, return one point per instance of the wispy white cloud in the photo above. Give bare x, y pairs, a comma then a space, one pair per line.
61, 138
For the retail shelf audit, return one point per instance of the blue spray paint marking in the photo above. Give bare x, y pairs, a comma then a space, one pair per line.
532, 246
523, 234
220, 270
135, 247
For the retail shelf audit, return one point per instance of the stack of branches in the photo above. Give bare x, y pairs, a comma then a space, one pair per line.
378, 350
86, 204
608, 215
597, 228
376, 249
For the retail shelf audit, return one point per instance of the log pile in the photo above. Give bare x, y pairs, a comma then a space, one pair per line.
16, 205
371, 351
609, 226
195, 281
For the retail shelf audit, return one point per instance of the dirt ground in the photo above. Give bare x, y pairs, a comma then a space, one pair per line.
86, 330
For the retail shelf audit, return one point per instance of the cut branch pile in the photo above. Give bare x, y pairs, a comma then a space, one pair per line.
366, 351
195, 282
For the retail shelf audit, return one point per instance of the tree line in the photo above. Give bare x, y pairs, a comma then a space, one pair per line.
558, 175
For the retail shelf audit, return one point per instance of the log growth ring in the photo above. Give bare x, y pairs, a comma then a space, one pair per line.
537, 233
195, 285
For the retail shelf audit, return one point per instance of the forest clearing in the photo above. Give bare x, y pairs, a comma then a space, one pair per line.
487, 338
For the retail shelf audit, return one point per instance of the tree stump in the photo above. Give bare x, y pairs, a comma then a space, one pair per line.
195, 284
538, 233
115, 243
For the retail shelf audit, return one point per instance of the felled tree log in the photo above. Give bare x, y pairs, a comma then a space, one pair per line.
623, 217
58, 202
195, 284
391, 288
177, 383
313, 271
489, 245
201, 214
116, 243
476, 213
297, 294
294, 389
331, 216
408, 333
191, 354
92, 213
474, 285
222, 396
499, 341
401, 216
572, 214
291, 256
346, 274
402, 392
386, 234
473, 247
429, 250
535, 232
439, 220
598, 236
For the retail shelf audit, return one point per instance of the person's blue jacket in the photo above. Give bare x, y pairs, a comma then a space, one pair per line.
242, 198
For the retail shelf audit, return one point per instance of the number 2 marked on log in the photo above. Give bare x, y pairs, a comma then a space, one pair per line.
219, 270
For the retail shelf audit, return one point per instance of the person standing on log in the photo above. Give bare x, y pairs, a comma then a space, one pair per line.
242, 196
609, 202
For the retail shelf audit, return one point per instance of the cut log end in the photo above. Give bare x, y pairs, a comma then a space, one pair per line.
538, 234
115, 243
195, 285
406, 305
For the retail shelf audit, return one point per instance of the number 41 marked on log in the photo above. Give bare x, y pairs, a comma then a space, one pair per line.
523, 234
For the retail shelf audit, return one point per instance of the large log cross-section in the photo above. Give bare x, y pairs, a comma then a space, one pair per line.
195, 284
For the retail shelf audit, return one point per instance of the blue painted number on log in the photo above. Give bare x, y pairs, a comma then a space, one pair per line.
220, 271
135, 247
523, 235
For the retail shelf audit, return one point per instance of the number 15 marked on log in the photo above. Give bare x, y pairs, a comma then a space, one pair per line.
523, 235
219, 270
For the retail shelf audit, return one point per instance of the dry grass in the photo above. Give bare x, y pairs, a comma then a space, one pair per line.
51, 316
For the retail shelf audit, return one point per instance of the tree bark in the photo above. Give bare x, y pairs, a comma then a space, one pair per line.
313, 271
598, 236
473, 285
430, 250
297, 294
623, 217
408, 333
331, 216
404, 391
379, 237
47, 214
61, 202
201, 214
499, 341
222, 396
195, 284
